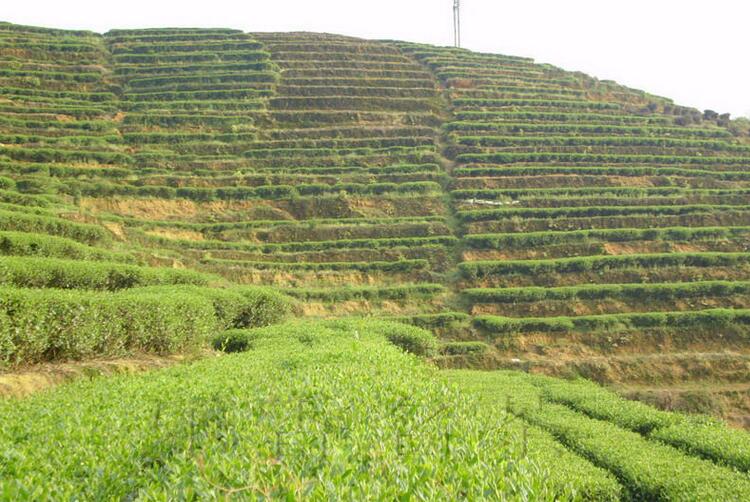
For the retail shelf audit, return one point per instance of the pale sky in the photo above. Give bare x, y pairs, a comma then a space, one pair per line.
693, 51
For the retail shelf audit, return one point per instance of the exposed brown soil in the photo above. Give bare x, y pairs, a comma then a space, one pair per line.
22, 382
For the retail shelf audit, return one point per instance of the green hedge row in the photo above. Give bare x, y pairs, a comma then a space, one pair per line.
381, 266
546, 103
81, 232
478, 269
592, 211
595, 158
599, 171
531, 128
572, 117
700, 436
535, 239
632, 141
33, 272
401, 292
650, 471
180, 46
31, 244
105, 189
49, 324
645, 292
711, 318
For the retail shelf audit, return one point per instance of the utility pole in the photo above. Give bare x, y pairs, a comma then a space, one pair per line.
457, 23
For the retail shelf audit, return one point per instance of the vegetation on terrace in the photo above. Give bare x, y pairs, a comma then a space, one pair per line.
154, 184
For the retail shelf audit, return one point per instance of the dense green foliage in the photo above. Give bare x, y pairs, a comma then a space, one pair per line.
49, 324
74, 274
288, 419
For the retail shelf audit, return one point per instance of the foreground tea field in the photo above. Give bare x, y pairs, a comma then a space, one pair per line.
337, 409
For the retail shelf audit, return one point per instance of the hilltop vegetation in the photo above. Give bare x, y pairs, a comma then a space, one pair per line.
167, 191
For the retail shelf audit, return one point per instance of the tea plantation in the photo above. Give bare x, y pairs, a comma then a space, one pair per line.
451, 231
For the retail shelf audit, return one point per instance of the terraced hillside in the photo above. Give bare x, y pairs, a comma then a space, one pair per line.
604, 231
72, 286
181, 191
534, 218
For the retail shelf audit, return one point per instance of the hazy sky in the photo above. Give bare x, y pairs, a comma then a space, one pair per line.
695, 52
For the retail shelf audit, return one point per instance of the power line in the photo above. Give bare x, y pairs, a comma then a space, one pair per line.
457, 23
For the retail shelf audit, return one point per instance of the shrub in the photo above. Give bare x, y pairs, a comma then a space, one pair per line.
51, 324
234, 340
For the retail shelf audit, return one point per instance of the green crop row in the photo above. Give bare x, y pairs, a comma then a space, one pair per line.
49, 324
535, 239
434, 321
106, 189
400, 266
575, 192
61, 95
354, 103
498, 391
592, 211
176, 120
699, 436
650, 471
57, 125
593, 158
530, 128
31, 244
565, 117
101, 141
637, 141
198, 56
19, 199
645, 292
138, 71
546, 103
509, 170
179, 46
292, 247
58, 155
6, 27
81, 232
148, 32
35, 272
200, 99
202, 78
401, 292
710, 318
477, 269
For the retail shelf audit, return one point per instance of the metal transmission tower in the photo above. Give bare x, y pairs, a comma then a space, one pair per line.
457, 23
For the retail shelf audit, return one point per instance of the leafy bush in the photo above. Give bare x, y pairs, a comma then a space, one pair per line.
234, 340
44, 325
73, 274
